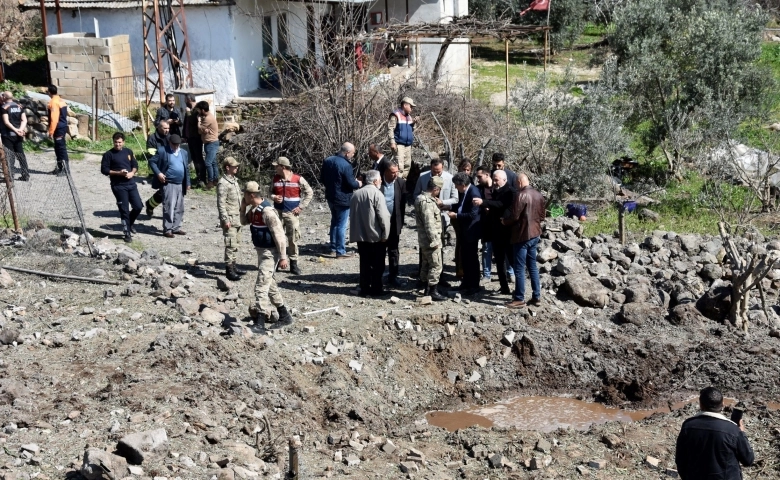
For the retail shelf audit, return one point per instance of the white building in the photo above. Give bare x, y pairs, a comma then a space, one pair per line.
226, 36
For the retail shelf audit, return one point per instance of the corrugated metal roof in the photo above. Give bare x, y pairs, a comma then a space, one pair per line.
111, 4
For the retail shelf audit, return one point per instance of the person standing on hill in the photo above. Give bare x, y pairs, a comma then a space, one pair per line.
120, 165
209, 135
339, 181
229, 198
13, 127
58, 128
400, 129
291, 194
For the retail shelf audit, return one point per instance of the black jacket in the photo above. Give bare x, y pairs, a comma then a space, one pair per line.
711, 448
399, 202
469, 226
491, 212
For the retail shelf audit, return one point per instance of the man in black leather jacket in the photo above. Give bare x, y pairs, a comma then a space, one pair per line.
710, 446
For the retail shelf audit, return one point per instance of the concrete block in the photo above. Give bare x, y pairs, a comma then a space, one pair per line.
57, 75
70, 74
62, 41
104, 67
101, 50
65, 82
58, 49
116, 49
91, 42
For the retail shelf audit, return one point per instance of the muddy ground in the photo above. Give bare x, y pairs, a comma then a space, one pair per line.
93, 363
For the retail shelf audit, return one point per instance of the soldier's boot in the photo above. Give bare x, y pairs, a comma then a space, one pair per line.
230, 272
258, 326
284, 317
433, 291
239, 271
294, 268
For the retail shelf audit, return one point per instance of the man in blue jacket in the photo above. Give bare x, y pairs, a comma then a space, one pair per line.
469, 232
710, 445
172, 174
339, 181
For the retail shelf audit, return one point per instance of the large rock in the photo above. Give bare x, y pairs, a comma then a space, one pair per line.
98, 463
715, 304
138, 447
641, 313
546, 255
711, 272
690, 243
686, 314
8, 335
586, 290
188, 306
568, 264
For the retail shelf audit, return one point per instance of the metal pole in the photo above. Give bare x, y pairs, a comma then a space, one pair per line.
59, 17
94, 109
9, 190
545, 49
80, 212
295, 445
45, 28
158, 38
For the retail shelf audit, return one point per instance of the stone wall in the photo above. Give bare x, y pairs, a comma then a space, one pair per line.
75, 59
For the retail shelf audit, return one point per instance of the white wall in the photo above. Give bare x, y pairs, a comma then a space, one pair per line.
207, 32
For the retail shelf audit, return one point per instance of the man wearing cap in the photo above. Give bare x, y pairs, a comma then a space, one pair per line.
171, 174
229, 198
429, 228
271, 245
155, 142
291, 194
400, 129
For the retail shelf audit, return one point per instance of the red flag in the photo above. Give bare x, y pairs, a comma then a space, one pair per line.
537, 6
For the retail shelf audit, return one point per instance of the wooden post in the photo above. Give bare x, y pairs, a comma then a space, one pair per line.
469, 68
622, 223
9, 190
295, 445
506, 75
546, 33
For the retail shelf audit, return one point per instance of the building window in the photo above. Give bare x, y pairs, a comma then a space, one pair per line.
268, 39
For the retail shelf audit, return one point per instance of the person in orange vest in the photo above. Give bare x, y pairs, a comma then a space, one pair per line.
400, 129
58, 128
291, 194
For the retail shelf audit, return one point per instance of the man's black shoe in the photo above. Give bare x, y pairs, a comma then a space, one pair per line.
294, 268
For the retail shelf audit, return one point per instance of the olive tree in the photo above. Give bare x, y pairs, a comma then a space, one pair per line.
680, 64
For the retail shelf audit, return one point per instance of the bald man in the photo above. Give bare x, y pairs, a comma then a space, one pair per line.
524, 220
339, 180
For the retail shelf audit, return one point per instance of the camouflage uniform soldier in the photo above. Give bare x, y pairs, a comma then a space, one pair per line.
229, 197
429, 230
271, 245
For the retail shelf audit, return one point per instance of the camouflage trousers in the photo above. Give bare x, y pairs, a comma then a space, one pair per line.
431, 268
267, 294
232, 237
292, 231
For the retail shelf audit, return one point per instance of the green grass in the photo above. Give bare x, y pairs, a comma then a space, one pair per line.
682, 206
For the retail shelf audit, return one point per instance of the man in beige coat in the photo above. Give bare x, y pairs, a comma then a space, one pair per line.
369, 226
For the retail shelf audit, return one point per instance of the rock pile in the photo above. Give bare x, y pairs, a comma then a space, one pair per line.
38, 120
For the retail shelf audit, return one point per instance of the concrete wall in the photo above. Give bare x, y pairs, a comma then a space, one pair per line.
76, 59
208, 29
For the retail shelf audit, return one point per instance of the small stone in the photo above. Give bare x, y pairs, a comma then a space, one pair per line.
450, 328
652, 462
409, 467
318, 360
337, 456
355, 365
496, 461
353, 461
543, 446
137, 447
308, 329
388, 447
394, 300
481, 361
211, 316
599, 464
452, 375
582, 470
88, 310
30, 447
670, 472
508, 338
475, 377
224, 284
74, 414
427, 300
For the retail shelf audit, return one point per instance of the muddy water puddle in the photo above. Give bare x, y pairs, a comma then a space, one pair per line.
544, 414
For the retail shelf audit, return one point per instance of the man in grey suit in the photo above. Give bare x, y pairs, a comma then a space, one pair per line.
447, 198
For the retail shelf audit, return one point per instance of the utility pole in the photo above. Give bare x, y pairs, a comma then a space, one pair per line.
164, 22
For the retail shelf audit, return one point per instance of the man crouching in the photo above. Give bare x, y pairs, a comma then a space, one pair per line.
271, 245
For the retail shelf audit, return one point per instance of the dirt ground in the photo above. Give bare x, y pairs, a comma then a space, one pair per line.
95, 362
